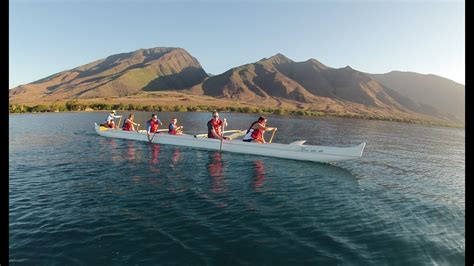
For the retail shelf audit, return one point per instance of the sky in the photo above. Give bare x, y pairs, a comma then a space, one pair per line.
427, 37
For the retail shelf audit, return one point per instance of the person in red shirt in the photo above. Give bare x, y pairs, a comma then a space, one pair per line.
255, 131
128, 124
214, 127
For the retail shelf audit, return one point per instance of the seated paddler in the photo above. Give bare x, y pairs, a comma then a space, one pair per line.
110, 120
153, 124
129, 124
256, 130
173, 127
215, 127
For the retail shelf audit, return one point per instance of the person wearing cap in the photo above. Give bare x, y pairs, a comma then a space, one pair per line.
128, 124
214, 126
173, 128
110, 120
255, 131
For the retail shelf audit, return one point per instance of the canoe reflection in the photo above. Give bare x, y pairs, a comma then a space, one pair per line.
259, 171
175, 158
113, 144
217, 174
155, 151
130, 151
109, 148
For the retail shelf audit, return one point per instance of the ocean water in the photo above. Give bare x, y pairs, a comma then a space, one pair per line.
76, 198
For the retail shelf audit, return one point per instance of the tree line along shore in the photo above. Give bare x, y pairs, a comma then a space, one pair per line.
75, 106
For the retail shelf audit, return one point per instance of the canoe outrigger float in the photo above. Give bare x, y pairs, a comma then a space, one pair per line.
295, 150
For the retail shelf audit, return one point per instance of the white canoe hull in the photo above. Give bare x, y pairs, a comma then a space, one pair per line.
295, 150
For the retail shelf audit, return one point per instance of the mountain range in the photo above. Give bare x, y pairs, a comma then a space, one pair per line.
445, 95
276, 81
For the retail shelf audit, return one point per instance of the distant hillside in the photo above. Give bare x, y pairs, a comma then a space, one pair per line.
312, 83
443, 94
275, 82
118, 75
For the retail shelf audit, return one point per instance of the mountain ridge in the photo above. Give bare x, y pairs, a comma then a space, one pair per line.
272, 81
445, 95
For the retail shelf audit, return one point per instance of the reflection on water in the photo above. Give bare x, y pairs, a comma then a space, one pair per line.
176, 157
154, 161
136, 179
216, 172
130, 151
259, 171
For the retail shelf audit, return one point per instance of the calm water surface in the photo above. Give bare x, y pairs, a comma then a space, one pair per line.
80, 199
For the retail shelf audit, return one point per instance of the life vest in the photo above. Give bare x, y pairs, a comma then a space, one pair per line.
127, 125
255, 133
172, 129
216, 125
152, 125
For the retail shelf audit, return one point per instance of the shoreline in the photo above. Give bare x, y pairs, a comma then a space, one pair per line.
284, 113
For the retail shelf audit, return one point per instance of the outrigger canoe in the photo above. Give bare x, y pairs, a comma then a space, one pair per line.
295, 150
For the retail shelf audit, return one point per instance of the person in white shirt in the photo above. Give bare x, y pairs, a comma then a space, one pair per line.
110, 121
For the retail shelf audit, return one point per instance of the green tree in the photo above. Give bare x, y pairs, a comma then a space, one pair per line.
148, 108
74, 106
39, 108
179, 108
279, 111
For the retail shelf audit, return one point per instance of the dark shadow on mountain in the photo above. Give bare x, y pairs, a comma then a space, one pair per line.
213, 86
272, 82
185, 79
52, 89
310, 75
412, 105
346, 85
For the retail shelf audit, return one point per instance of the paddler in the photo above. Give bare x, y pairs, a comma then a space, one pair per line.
128, 124
152, 125
109, 122
255, 131
173, 128
214, 126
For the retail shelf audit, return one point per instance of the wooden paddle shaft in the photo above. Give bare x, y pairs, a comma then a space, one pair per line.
273, 134
120, 120
222, 134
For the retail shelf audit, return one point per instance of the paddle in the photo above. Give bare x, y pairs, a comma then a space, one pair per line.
120, 120
159, 130
222, 135
273, 134
151, 140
